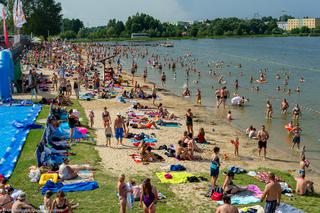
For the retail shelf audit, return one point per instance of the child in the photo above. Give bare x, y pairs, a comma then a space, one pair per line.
108, 132
303, 150
91, 117
229, 116
47, 201
236, 144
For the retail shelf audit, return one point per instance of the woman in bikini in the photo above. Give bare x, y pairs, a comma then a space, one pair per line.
123, 190
149, 197
228, 186
61, 204
106, 117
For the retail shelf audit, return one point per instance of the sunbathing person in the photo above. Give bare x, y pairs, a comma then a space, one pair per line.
228, 186
148, 125
201, 136
182, 152
66, 172
304, 187
145, 153
139, 106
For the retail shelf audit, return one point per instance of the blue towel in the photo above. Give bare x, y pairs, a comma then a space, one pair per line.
177, 167
74, 187
242, 200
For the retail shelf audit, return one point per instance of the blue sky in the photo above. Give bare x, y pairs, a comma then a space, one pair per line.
98, 12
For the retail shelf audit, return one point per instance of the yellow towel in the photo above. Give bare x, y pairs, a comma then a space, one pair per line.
177, 177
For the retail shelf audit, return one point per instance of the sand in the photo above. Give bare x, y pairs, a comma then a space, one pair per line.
116, 159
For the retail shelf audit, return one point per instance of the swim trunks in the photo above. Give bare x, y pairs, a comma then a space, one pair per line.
270, 206
296, 139
119, 133
262, 144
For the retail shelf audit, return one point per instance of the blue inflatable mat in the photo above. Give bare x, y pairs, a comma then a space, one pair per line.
14, 138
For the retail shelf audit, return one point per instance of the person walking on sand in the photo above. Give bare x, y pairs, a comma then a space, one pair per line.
91, 118
263, 137
106, 117
269, 110
119, 129
226, 207
154, 94
296, 136
272, 194
236, 144
189, 121
108, 133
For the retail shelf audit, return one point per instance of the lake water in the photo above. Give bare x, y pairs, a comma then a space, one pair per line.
298, 56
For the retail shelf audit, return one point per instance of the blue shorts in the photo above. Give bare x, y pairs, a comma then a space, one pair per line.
119, 133
296, 139
270, 206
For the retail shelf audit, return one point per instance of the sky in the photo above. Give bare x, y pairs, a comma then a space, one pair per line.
98, 12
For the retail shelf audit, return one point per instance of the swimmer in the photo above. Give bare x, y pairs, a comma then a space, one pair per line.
301, 80
278, 88
298, 90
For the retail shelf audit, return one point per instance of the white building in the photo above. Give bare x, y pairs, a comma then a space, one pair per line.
283, 25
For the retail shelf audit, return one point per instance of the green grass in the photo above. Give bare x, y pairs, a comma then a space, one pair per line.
102, 199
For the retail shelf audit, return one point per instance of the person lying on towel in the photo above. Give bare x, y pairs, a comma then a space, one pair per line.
66, 172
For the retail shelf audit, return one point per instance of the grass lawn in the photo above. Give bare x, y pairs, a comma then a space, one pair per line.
104, 199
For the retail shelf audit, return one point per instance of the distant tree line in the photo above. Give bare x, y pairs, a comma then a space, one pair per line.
143, 23
44, 18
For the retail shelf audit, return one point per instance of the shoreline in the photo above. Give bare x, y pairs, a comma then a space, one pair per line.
152, 39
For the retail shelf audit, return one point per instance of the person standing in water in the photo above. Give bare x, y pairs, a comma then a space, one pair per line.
154, 94
198, 97
163, 79
263, 137
272, 194
284, 106
269, 110
296, 136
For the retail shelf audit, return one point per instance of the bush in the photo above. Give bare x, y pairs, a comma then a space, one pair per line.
68, 35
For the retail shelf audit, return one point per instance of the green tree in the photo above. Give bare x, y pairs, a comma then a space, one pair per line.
68, 35
194, 31
45, 18
72, 25
295, 31
304, 29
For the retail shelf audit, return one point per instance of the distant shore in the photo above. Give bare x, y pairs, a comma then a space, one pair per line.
122, 39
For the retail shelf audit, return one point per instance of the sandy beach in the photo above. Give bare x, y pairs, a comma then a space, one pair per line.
116, 159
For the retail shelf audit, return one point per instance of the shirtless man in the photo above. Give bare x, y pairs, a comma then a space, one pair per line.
119, 128
304, 187
272, 194
263, 137
284, 106
296, 136
106, 117
226, 207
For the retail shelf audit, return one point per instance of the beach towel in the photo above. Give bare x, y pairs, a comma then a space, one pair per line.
236, 170
83, 176
177, 167
256, 209
136, 158
263, 177
255, 189
242, 198
75, 187
284, 208
177, 177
